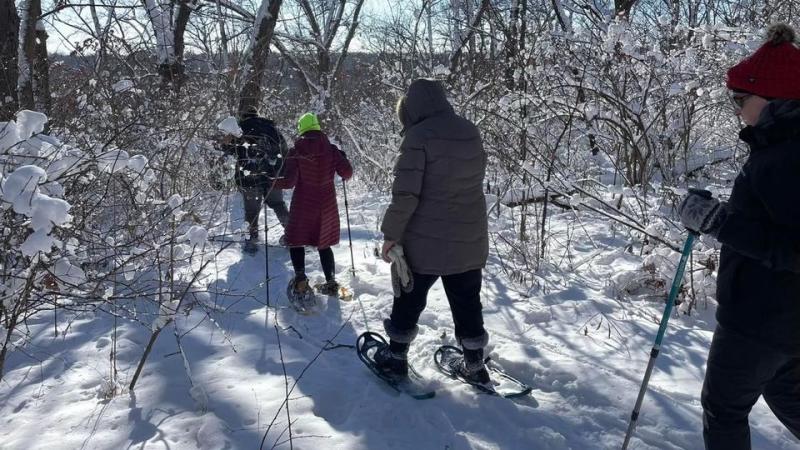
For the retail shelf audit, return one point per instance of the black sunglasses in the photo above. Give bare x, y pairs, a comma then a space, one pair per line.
738, 99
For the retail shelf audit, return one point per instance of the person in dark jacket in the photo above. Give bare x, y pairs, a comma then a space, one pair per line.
259, 159
755, 350
314, 214
438, 216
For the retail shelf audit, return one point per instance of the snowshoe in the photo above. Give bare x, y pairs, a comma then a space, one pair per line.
332, 288
450, 361
369, 345
301, 296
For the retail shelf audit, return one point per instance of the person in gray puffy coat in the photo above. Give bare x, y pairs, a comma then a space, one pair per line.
438, 216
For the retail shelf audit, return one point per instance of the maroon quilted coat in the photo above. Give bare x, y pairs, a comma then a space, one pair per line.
310, 168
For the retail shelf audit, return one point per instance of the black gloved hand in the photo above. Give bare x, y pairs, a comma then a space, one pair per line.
701, 213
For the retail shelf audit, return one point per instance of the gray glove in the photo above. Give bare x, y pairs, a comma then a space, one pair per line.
702, 213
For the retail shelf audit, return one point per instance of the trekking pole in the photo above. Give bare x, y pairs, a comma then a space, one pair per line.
266, 253
349, 235
662, 329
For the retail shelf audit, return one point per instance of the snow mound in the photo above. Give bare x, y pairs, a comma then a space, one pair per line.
230, 126
211, 434
68, 273
9, 135
113, 161
30, 123
137, 163
122, 86
19, 188
196, 235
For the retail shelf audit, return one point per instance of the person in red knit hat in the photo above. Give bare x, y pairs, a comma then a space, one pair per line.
755, 350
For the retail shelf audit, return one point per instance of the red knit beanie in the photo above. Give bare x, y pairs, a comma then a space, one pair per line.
773, 71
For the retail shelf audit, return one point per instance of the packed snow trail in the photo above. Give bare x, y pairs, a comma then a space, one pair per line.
584, 376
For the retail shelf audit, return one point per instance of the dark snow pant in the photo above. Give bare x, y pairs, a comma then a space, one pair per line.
298, 255
254, 198
464, 295
739, 371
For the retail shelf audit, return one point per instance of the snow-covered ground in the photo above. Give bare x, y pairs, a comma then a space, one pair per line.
585, 373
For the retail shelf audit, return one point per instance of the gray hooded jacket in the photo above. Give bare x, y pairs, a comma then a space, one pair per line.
438, 210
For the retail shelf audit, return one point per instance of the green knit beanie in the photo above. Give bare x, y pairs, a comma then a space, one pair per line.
307, 122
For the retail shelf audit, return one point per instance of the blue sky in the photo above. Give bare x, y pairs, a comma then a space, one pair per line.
61, 37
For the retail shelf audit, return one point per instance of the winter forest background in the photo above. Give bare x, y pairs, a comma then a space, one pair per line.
120, 270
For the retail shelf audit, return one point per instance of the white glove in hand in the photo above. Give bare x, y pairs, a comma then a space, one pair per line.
402, 280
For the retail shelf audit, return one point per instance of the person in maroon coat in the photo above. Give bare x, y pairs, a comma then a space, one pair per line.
310, 168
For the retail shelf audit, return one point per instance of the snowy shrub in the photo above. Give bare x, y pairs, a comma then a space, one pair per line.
95, 225
36, 221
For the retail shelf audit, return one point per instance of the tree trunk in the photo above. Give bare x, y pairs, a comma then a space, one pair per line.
41, 69
223, 38
33, 79
10, 327
492, 40
99, 34
457, 24
522, 85
169, 38
462, 40
9, 23
468, 12
563, 20
345, 48
511, 49
26, 52
263, 29
430, 36
176, 70
321, 100
622, 8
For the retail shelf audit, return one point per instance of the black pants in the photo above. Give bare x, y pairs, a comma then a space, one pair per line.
254, 198
739, 371
463, 293
298, 255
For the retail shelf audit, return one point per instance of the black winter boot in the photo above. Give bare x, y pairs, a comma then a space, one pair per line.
250, 247
251, 244
392, 359
473, 368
